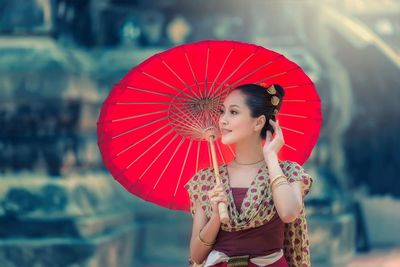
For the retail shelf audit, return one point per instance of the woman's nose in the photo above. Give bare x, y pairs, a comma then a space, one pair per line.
222, 120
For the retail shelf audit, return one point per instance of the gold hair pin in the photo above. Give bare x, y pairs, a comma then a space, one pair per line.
272, 91
275, 100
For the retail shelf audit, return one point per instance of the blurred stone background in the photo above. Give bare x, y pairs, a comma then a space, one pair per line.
59, 59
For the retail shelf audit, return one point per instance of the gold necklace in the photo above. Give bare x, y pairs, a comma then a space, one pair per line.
247, 163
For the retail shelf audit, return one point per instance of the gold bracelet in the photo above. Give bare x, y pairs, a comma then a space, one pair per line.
208, 244
280, 183
278, 180
277, 177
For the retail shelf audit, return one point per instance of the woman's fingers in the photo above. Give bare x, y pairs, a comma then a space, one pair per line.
219, 197
277, 128
280, 130
217, 194
268, 136
219, 187
273, 124
216, 200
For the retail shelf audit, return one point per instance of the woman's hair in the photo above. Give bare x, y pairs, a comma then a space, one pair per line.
261, 100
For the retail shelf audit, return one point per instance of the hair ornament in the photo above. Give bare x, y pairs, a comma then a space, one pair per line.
275, 100
271, 90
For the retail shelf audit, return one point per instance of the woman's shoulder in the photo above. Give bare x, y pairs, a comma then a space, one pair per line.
289, 164
286, 161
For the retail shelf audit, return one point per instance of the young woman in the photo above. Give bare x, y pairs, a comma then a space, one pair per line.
264, 196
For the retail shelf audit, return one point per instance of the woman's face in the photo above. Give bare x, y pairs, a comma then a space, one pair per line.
235, 118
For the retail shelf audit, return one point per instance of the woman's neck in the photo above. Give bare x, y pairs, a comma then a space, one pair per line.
249, 151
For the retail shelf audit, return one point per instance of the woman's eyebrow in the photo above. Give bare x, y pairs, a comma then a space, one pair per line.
231, 105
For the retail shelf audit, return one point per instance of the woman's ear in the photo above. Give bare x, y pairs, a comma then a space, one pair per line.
260, 122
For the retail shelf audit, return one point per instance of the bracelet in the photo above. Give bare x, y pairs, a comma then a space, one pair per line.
280, 183
277, 177
280, 178
207, 244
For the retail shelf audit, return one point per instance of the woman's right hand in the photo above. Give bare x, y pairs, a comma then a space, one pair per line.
217, 195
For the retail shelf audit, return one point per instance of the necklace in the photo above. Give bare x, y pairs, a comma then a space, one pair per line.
247, 163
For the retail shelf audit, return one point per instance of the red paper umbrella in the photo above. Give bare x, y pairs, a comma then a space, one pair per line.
159, 124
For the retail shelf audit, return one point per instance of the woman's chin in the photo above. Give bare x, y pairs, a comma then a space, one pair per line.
226, 141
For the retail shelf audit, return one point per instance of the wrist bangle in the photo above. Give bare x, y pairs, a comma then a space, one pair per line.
207, 244
279, 176
280, 179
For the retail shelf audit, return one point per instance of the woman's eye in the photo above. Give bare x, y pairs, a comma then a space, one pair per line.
232, 111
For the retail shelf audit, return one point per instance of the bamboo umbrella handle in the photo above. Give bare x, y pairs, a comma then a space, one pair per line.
222, 209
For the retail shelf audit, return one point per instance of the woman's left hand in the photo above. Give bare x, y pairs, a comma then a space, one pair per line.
273, 145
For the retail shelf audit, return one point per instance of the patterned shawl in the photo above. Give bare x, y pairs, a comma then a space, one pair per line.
258, 206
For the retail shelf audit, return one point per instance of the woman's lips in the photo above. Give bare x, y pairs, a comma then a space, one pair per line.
225, 131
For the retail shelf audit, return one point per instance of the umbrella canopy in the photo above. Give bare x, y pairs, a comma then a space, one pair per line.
153, 126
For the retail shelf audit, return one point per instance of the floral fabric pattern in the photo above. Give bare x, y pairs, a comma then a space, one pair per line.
258, 206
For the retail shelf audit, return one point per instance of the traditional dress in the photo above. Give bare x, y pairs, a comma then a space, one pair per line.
255, 228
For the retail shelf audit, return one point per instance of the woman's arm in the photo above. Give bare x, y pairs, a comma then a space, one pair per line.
209, 230
287, 197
